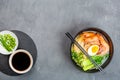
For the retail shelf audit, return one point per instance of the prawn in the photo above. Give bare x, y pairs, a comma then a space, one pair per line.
104, 47
87, 39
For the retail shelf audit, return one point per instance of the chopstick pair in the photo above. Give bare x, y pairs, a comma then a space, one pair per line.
80, 47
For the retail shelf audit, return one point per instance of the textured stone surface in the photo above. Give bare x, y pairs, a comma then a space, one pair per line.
46, 21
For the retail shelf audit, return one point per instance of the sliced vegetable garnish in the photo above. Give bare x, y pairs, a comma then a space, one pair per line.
85, 63
7, 41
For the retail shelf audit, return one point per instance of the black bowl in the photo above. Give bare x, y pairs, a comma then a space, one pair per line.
110, 50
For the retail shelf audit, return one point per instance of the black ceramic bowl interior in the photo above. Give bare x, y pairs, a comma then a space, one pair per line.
109, 41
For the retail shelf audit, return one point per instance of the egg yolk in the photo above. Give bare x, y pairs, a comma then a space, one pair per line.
95, 49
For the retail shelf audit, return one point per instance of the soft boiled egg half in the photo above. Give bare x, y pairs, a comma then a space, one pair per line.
93, 50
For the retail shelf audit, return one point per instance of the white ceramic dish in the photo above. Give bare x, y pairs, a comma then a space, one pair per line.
2, 49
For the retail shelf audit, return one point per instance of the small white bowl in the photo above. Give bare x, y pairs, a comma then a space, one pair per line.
19, 52
2, 49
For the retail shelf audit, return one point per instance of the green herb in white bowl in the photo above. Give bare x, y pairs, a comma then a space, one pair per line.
8, 42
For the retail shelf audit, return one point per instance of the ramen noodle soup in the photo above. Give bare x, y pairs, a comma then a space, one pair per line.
95, 44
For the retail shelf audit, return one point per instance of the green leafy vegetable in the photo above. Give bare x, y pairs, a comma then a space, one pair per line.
97, 59
8, 42
85, 63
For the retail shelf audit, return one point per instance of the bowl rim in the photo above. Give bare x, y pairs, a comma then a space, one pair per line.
111, 50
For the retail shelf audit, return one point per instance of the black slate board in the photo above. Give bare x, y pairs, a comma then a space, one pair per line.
25, 42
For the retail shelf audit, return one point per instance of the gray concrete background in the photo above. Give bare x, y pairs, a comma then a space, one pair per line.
46, 21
